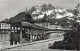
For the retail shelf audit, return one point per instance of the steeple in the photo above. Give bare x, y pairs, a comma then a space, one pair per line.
45, 21
45, 18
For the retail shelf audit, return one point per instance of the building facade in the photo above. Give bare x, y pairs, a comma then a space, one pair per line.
4, 26
4, 30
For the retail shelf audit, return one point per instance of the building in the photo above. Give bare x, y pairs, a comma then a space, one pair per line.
23, 25
4, 30
5, 26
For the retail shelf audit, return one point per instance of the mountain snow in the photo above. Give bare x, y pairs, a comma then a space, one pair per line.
59, 16
48, 12
36, 12
60, 10
68, 14
38, 17
60, 13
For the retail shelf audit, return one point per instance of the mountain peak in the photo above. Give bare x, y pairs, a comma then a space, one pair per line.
58, 14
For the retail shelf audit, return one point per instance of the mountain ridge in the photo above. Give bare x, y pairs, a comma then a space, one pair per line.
58, 14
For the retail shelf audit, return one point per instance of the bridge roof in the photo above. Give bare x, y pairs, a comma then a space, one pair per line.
60, 29
5, 21
20, 17
25, 24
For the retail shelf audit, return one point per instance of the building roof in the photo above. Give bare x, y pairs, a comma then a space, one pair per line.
10, 19
5, 21
45, 18
20, 17
33, 26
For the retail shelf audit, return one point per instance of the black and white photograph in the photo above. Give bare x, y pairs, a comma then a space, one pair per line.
39, 25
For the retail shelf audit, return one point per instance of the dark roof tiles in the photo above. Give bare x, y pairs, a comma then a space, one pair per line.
33, 26
18, 18
5, 21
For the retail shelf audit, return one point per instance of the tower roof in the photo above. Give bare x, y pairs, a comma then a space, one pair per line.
45, 18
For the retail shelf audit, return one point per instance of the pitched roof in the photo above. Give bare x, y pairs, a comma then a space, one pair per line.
18, 18
33, 26
11, 18
45, 18
5, 21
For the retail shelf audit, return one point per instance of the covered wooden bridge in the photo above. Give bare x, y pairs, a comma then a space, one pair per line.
24, 29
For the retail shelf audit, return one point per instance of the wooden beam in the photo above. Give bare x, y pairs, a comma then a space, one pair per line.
10, 29
32, 37
25, 30
17, 30
20, 34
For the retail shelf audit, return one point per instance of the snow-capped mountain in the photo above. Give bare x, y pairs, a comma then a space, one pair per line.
49, 9
54, 13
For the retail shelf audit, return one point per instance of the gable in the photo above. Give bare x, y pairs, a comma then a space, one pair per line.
21, 17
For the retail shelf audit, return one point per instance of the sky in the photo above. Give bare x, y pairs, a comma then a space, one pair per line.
10, 8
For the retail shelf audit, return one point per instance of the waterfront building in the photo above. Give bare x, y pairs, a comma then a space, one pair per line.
4, 30
5, 26
23, 25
